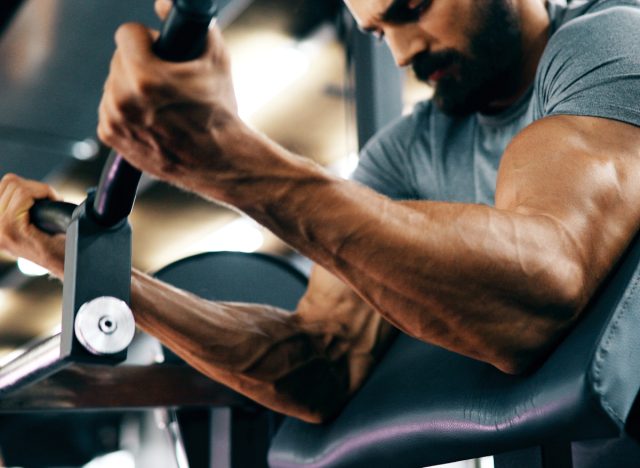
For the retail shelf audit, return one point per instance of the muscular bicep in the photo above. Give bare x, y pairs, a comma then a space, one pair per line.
357, 332
581, 175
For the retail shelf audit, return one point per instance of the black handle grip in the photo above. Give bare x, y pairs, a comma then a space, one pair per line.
183, 37
52, 217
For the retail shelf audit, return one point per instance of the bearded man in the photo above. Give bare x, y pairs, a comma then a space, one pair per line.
483, 222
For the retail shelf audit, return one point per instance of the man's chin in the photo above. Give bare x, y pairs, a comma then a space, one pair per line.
455, 98
455, 104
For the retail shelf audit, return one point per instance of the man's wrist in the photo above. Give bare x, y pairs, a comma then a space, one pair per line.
51, 255
248, 169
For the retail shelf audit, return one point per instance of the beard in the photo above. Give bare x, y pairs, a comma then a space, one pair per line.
489, 71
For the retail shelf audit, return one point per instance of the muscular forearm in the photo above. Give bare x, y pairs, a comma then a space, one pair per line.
302, 366
295, 366
493, 284
265, 353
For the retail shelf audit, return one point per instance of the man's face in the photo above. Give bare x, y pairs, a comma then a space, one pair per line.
469, 50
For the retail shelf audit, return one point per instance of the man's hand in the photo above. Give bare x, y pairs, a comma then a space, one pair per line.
18, 236
168, 119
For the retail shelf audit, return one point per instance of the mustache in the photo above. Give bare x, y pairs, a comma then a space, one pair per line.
425, 63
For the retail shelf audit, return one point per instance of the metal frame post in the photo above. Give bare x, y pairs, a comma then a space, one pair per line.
97, 263
378, 84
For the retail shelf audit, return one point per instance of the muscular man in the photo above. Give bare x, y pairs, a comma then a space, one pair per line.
498, 207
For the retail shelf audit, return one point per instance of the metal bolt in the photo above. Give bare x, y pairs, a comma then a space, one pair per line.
104, 325
107, 325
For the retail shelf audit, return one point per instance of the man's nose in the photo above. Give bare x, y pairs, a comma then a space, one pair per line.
405, 43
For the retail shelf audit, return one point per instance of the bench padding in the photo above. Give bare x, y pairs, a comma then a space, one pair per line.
424, 405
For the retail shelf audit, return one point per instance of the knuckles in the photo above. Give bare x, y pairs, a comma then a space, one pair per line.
144, 97
12, 189
106, 133
144, 88
9, 179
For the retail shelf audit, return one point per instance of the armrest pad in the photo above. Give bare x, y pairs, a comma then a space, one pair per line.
424, 405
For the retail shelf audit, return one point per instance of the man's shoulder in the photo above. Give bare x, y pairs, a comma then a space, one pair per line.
562, 12
602, 28
590, 65
588, 14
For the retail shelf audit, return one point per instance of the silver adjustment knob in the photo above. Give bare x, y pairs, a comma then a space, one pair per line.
105, 325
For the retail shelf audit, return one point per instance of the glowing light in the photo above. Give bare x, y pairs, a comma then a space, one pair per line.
346, 166
85, 150
486, 462
29, 268
240, 235
261, 79
121, 459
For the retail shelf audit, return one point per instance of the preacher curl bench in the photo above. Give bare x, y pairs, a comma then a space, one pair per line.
421, 406
424, 405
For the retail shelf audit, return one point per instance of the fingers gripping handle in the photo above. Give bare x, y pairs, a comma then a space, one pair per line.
183, 37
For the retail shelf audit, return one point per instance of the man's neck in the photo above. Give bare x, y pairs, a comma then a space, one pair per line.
535, 35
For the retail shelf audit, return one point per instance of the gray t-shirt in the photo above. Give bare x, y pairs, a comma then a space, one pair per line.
591, 66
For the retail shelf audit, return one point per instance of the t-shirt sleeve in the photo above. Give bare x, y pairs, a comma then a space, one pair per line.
591, 67
383, 163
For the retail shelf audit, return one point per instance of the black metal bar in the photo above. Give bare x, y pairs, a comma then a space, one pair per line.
82, 387
97, 263
549, 455
183, 37
35, 363
557, 455
8, 9
249, 429
524, 458
377, 85
98, 250
116, 191
184, 34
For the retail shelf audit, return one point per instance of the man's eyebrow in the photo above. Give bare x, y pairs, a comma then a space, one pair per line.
397, 12
400, 12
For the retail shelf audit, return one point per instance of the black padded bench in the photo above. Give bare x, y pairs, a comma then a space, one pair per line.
424, 405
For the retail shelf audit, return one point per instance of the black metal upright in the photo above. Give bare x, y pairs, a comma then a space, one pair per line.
8, 8
378, 84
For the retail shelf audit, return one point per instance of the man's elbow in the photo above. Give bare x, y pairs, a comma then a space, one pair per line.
314, 393
319, 416
571, 290
315, 413
517, 365
565, 293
